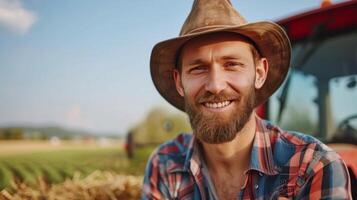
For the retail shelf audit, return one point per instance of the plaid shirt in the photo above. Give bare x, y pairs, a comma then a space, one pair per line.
283, 165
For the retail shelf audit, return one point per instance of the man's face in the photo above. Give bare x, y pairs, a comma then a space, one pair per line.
218, 79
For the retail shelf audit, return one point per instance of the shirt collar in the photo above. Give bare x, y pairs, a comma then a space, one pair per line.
193, 161
262, 158
261, 155
191, 158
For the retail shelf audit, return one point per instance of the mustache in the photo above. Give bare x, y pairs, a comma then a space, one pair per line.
223, 96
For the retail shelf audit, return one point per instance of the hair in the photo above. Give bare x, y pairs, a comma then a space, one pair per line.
256, 54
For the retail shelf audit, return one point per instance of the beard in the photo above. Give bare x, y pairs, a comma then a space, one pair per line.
212, 128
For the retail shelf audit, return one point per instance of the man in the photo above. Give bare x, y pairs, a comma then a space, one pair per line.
218, 71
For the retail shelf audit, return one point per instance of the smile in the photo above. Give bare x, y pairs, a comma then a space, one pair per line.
217, 105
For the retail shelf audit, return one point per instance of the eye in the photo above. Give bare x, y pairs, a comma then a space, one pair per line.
197, 69
232, 64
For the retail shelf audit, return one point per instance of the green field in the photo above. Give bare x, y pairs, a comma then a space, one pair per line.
28, 163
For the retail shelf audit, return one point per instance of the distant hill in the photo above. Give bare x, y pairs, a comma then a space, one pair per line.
38, 132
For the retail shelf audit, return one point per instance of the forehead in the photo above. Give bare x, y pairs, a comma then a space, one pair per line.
224, 43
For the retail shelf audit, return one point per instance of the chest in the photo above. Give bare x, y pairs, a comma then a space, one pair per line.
227, 186
257, 186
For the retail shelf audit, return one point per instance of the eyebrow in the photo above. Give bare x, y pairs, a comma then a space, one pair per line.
196, 62
201, 61
230, 57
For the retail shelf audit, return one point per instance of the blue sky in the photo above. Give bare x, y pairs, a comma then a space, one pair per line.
85, 63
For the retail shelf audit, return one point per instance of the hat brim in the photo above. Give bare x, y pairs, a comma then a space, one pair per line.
270, 39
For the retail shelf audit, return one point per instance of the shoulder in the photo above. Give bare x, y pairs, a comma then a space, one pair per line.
299, 149
172, 154
298, 140
311, 164
178, 145
159, 181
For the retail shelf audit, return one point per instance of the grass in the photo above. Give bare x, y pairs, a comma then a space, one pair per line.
54, 164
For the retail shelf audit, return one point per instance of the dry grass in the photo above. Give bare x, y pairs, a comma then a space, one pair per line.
97, 186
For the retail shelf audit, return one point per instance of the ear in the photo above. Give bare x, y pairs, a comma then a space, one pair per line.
178, 83
261, 72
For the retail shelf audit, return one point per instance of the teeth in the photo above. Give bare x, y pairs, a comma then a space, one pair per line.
217, 105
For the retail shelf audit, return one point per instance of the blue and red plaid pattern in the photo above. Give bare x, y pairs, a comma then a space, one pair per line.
283, 165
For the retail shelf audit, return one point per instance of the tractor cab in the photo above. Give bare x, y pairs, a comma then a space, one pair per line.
319, 95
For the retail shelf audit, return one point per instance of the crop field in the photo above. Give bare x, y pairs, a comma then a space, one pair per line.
29, 165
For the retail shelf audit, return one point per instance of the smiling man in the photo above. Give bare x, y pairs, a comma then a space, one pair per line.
218, 71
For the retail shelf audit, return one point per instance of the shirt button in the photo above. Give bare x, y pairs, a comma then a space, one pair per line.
256, 186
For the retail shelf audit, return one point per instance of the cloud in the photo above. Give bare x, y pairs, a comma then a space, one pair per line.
16, 18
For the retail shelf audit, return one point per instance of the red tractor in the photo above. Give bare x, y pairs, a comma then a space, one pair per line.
320, 94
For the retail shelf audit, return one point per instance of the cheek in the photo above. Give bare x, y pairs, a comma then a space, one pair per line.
242, 81
193, 86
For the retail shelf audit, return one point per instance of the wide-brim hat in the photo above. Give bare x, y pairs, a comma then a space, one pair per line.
211, 16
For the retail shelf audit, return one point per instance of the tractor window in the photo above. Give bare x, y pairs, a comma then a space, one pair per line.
322, 94
343, 92
300, 112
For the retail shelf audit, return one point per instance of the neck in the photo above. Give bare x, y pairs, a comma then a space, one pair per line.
224, 156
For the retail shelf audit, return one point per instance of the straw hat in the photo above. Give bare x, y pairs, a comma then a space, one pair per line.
211, 16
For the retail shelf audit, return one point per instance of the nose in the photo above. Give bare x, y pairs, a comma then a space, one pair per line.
215, 82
